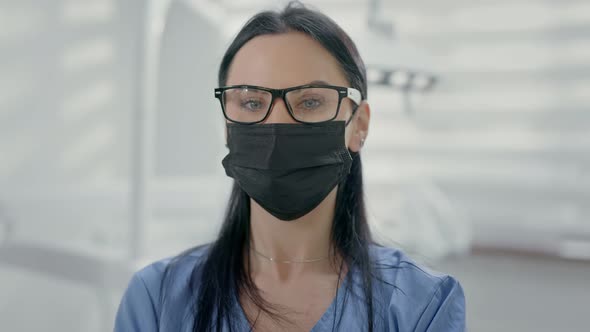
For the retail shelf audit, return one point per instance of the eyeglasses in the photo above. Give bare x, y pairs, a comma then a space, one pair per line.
248, 104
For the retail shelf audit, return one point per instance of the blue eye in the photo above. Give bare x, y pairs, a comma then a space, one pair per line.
252, 105
311, 103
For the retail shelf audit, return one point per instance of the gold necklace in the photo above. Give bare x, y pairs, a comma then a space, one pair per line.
274, 260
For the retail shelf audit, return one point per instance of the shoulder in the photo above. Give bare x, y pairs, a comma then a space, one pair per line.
140, 308
416, 297
397, 268
174, 271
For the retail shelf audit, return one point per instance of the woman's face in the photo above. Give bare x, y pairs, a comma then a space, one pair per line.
291, 59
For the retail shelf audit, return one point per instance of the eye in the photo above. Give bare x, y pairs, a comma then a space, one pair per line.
310, 103
252, 104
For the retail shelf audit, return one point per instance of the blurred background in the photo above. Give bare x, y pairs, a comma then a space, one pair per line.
477, 162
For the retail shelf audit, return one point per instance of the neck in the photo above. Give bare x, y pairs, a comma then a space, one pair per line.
304, 239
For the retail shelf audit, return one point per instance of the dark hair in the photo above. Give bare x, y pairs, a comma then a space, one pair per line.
218, 280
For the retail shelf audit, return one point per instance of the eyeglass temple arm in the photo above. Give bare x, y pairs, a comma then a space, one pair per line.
355, 95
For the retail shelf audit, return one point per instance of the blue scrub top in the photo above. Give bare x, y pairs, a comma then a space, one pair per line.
408, 297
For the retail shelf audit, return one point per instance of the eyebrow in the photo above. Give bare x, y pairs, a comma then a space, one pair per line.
314, 82
318, 82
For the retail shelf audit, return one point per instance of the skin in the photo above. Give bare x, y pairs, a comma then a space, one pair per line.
303, 292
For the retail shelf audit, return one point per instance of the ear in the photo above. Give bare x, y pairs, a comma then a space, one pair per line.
360, 127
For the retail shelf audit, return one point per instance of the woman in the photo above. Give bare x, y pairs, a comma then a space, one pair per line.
294, 252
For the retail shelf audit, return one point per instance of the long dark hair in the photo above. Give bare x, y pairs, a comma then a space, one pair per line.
222, 277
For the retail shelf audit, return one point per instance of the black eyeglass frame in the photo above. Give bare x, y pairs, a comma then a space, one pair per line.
343, 92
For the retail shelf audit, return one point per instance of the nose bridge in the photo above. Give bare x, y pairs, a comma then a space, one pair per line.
278, 110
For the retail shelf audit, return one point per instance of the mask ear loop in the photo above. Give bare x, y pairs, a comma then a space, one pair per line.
352, 115
353, 154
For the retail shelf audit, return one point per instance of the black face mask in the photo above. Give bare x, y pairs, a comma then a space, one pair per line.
287, 168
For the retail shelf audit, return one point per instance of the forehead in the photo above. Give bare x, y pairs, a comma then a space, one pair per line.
284, 60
